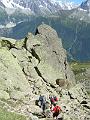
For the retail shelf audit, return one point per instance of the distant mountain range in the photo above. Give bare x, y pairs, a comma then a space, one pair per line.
38, 6
72, 22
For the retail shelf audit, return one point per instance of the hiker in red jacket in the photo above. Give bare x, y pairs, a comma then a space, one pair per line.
56, 110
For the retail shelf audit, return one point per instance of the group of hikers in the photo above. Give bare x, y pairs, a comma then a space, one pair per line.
49, 107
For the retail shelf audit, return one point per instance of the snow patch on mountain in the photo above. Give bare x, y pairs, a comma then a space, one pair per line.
37, 7
11, 4
41, 3
65, 5
8, 3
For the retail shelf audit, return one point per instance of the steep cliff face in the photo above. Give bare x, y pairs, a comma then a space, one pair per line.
38, 65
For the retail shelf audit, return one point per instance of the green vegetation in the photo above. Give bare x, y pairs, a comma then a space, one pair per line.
5, 115
11, 102
80, 70
82, 73
81, 67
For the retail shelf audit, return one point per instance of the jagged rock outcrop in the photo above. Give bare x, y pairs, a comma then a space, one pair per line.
50, 54
33, 62
38, 65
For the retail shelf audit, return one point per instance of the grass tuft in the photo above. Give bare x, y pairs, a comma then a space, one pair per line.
5, 115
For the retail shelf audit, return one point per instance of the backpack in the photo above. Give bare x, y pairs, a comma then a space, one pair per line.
42, 99
52, 100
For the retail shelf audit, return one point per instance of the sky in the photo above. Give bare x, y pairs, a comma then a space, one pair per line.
76, 1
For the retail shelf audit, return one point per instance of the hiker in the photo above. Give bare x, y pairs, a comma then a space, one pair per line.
42, 100
56, 110
53, 99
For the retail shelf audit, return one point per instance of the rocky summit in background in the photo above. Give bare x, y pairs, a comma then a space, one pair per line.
86, 5
38, 65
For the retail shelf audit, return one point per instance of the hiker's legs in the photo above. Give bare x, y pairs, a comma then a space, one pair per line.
43, 108
40, 104
55, 115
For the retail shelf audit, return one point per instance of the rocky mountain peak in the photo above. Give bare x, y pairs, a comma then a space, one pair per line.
41, 7
85, 5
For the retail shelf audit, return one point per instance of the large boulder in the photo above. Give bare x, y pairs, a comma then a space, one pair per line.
47, 48
43, 60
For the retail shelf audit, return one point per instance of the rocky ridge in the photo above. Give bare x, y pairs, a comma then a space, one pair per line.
85, 5
38, 65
